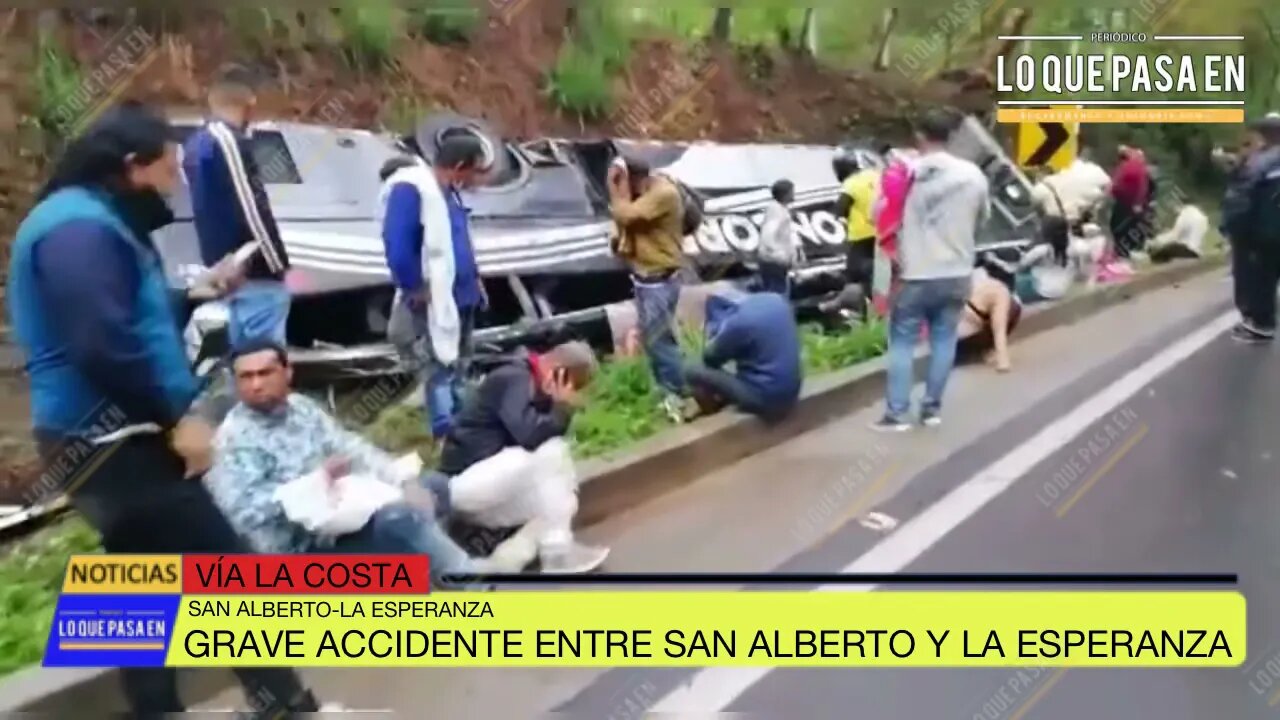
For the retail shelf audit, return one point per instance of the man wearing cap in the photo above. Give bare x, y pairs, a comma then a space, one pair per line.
1251, 221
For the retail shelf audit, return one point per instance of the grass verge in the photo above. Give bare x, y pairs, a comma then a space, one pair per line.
622, 409
31, 571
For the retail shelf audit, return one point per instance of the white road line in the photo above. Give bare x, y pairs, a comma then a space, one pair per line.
713, 689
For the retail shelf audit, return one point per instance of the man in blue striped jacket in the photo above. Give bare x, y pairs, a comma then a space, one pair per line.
232, 212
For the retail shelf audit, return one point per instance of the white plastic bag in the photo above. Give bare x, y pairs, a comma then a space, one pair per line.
334, 509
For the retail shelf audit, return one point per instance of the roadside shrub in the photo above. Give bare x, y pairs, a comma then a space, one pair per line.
824, 352
445, 22
31, 572
58, 79
370, 30
579, 83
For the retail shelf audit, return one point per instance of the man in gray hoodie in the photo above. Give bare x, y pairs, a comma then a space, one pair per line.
945, 207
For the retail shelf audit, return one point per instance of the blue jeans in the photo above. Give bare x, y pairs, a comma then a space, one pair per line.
724, 386
404, 529
443, 384
775, 278
656, 312
939, 305
259, 309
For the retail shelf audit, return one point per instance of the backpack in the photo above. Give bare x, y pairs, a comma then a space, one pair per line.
693, 210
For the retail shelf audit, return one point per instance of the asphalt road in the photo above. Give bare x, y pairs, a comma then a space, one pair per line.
1173, 473
1180, 477
1136, 440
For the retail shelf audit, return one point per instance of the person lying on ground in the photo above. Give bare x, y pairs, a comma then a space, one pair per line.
990, 315
1043, 272
758, 335
274, 436
1185, 240
506, 462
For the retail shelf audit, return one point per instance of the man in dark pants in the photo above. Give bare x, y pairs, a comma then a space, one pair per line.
1251, 220
758, 335
111, 386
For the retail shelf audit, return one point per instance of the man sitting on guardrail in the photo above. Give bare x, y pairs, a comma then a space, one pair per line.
757, 334
275, 437
508, 464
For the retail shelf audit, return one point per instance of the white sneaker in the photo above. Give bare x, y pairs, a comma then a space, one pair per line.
674, 407
575, 559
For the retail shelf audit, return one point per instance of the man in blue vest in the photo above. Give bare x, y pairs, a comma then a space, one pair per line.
237, 231
111, 387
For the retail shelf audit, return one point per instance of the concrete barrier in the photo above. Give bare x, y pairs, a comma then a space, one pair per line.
676, 457
651, 468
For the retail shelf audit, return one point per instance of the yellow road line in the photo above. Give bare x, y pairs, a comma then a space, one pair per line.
860, 503
1039, 694
1106, 467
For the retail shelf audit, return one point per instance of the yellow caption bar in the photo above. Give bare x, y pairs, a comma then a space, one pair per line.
124, 574
698, 629
1122, 115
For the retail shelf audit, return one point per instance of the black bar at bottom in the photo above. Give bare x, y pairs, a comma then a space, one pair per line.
852, 579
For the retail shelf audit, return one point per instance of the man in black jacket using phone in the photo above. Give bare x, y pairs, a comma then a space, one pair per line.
509, 465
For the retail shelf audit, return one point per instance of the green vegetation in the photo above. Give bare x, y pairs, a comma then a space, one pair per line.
58, 78
623, 403
579, 83
31, 573
445, 22
370, 30
597, 48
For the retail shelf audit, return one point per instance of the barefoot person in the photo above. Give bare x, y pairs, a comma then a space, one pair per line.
990, 314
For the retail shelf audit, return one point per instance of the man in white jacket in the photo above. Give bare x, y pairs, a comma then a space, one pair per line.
427, 237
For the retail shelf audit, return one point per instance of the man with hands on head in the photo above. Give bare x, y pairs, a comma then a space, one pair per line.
650, 216
507, 464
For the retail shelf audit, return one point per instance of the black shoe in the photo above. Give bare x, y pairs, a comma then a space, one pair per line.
889, 424
930, 418
1244, 333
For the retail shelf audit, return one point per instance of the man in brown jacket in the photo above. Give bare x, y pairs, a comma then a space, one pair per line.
649, 214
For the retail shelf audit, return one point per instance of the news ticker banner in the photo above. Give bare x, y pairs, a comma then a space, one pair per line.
374, 611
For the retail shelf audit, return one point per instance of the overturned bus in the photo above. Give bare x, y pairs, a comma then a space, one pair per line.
541, 230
